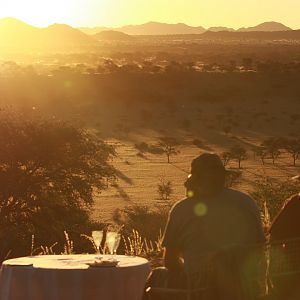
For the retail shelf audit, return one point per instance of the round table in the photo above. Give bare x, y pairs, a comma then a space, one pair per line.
55, 277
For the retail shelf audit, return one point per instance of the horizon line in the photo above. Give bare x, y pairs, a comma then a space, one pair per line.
140, 24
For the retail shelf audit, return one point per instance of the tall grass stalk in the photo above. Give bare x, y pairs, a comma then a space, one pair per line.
69, 245
134, 244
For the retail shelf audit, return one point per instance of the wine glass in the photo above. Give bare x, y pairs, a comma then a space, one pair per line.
112, 242
97, 236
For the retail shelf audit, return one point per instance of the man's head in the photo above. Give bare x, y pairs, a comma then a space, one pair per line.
207, 175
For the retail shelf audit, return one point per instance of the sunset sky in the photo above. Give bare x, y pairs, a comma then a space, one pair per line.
114, 13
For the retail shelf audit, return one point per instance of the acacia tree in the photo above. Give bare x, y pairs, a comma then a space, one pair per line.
293, 147
262, 153
273, 146
239, 153
167, 144
49, 172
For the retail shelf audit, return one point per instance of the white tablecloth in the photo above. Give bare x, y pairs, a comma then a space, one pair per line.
66, 277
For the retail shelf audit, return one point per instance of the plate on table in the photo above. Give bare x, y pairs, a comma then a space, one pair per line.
20, 264
103, 263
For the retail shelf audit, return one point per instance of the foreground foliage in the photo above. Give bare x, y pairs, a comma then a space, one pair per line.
271, 194
49, 171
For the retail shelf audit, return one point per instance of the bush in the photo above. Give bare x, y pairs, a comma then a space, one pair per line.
232, 178
142, 147
272, 194
198, 143
146, 148
164, 189
149, 222
49, 172
225, 157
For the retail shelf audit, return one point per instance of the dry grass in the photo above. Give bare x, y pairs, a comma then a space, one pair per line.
139, 175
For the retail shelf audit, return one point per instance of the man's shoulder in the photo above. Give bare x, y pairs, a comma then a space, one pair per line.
235, 194
182, 205
241, 199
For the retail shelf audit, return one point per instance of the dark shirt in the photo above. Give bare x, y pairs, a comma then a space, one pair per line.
199, 227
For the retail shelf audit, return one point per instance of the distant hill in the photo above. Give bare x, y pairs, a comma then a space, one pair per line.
266, 26
17, 35
253, 35
155, 28
112, 35
94, 30
220, 28
151, 28
61, 34
14, 25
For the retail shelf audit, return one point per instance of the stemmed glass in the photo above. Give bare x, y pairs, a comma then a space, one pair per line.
97, 236
112, 242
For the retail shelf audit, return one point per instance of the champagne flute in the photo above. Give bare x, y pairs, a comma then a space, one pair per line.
112, 242
97, 236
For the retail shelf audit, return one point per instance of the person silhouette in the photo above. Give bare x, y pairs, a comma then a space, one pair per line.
285, 248
210, 219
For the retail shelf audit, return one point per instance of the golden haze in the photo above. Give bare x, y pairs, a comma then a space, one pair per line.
232, 13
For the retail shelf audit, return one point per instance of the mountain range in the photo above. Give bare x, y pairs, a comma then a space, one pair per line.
19, 36
156, 28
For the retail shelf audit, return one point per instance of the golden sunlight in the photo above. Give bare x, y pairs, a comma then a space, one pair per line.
114, 13
44, 13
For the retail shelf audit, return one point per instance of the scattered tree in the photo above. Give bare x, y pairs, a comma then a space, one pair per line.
273, 146
168, 144
239, 153
262, 153
293, 148
226, 157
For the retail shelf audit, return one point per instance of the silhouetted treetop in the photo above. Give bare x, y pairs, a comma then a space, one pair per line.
49, 173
